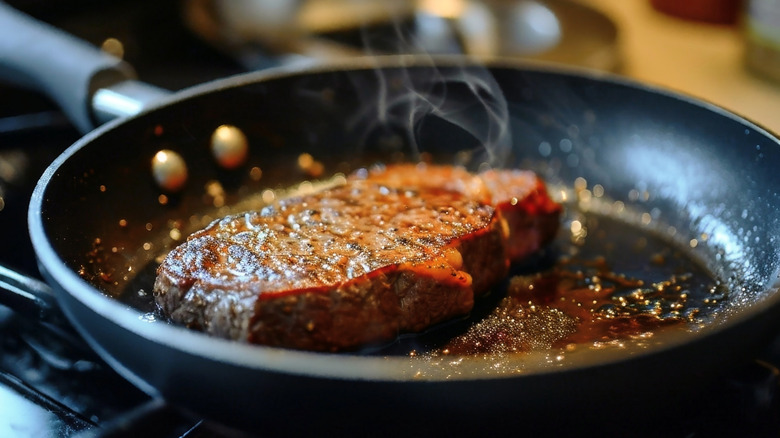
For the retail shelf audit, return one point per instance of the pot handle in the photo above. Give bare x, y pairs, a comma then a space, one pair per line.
68, 70
28, 297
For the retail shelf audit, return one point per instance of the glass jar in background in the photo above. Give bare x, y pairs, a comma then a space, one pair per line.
762, 37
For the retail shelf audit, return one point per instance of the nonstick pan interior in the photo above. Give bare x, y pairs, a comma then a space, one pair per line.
697, 178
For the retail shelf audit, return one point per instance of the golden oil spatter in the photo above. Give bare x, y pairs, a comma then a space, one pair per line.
114, 47
310, 166
229, 146
169, 170
215, 194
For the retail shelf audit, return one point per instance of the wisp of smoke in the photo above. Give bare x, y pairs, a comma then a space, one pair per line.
405, 101
409, 100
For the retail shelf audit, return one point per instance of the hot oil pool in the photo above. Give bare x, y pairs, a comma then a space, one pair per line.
613, 284
612, 281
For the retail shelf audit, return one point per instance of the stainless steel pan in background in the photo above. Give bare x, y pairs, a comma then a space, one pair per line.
679, 173
552, 30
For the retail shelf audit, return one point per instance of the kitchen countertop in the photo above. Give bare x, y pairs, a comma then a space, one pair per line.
700, 59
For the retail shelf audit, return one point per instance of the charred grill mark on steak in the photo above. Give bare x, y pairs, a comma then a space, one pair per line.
396, 249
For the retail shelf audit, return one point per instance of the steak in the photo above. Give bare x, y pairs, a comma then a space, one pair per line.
392, 250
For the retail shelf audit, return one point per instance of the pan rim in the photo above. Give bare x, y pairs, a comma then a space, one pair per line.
322, 365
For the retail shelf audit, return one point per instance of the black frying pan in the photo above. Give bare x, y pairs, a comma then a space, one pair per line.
673, 170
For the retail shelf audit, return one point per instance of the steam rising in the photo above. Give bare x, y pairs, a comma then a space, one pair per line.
445, 101
405, 102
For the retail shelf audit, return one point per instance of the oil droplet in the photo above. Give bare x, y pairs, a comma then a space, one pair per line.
215, 190
114, 47
229, 146
122, 222
169, 170
306, 188
339, 179
308, 164
268, 196
162, 199
305, 160
255, 173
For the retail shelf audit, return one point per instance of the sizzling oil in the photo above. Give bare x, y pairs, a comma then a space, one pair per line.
615, 282
574, 303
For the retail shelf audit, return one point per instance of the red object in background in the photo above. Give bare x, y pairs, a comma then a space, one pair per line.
711, 11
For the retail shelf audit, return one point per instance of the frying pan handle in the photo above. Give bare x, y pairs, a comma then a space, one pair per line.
66, 69
27, 296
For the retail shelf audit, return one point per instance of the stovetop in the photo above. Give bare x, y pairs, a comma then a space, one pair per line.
52, 385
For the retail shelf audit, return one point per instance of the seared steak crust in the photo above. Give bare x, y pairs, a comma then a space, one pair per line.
392, 250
